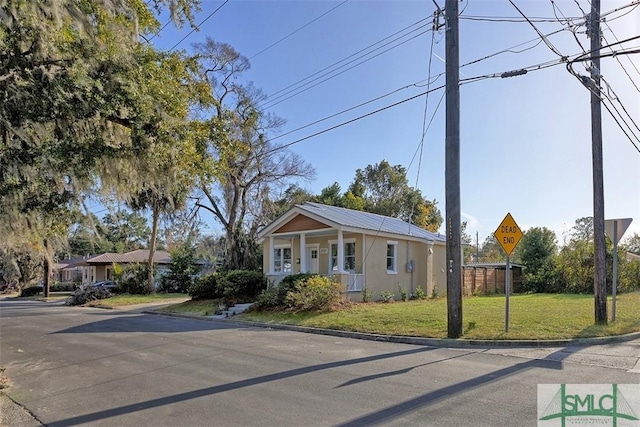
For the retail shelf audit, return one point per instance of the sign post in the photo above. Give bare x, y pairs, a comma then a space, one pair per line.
615, 228
508, 234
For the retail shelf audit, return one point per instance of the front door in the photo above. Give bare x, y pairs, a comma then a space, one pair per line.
312, 259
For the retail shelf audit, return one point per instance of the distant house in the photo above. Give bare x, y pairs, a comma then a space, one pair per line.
68, 270
356, 248
490, 278
101, 267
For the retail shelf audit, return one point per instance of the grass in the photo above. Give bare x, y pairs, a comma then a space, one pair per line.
194, 308
536, 316
127, 299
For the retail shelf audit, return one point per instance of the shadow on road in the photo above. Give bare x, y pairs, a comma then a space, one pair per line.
145, 323
373, 418
195, 394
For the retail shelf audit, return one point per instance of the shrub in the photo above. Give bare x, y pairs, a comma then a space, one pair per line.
84, 295
268, 299
134, 279
182, 271
206, 287
434, 291
366, 294
30, 291
387, 296
243, 284
314, 294
275, 297
64, 287
419, 294
403, 293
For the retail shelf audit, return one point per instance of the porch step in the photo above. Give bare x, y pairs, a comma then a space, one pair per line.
232, 311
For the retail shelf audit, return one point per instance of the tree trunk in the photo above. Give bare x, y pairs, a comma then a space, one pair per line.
152, 247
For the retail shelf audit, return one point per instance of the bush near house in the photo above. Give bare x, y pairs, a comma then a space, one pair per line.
133, 279
233, 286
64, 287
206, 287
299, 292
243, 284
314, 294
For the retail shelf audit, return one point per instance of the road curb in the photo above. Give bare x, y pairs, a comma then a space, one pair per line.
431, 342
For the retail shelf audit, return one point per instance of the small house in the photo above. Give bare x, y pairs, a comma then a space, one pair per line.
357, 249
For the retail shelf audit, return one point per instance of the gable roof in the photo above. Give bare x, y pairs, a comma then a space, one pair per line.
344, 218
140, 255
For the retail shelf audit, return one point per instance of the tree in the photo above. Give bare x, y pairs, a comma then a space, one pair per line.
632, 243
385, 191
245, 166
126, 230
86, 236
78, 89
182, 270
537, 252
491, 250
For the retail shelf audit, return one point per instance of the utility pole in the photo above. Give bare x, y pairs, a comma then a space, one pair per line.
599, 279
452, 172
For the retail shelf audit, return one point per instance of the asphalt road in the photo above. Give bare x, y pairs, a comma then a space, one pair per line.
85, 366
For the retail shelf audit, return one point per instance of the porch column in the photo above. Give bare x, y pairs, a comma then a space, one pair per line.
271, 260
340, 252
303, 253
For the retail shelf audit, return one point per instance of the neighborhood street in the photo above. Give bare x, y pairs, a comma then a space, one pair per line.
74, 366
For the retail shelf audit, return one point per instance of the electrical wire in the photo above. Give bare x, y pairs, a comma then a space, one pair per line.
596, 90
468, 80
426, 105
355, 107
198, 26
620, 62
350, 56
295, 31
542, 36
271, 102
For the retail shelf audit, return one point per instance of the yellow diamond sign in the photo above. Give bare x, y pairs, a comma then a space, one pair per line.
508, 234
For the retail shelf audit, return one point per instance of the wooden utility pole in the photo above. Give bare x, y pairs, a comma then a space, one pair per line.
452, 173
599, 279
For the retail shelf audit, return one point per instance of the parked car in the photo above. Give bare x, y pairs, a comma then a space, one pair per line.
106, 284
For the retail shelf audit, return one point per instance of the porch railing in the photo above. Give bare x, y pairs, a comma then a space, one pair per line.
355, 282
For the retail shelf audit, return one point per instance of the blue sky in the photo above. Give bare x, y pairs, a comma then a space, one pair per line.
525, 141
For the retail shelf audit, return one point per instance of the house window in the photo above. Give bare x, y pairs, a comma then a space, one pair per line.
282, 260
349, 256
391, 257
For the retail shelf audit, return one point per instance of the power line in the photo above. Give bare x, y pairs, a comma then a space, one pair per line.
426, 105
468, 80
352, 55
542, 36
294, 32
275, 100
590, 85
417, 84
197, 27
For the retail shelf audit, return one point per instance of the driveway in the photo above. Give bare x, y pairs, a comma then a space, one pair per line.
86, 366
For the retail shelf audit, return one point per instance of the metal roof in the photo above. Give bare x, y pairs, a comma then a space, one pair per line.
141, 255
368, 221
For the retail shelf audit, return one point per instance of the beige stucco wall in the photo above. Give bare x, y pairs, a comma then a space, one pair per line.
371, 255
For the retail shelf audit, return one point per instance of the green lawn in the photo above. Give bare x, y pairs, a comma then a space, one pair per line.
127, 299
536, 316
194, 308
